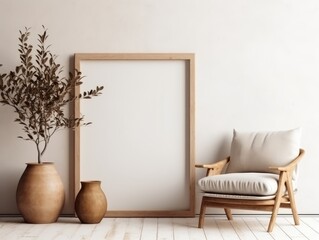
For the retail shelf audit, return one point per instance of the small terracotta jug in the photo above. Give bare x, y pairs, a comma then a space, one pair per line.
90, 203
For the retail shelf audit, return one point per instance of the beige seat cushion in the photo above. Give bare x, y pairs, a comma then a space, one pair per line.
239, 197
257, 151
252, 184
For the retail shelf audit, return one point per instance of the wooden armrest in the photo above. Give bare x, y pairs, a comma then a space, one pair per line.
292, 164
214, 168
213, 165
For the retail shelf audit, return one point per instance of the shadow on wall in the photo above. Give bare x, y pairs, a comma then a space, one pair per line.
8, 185
223, 150
14, 154
220, 151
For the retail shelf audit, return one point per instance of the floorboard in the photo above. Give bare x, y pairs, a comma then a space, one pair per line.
149, 230
257, 228
277, 233
243, 227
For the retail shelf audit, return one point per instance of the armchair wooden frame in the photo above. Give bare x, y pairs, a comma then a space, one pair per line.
284, 200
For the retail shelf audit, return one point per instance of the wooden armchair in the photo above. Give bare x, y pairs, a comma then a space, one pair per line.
249, 184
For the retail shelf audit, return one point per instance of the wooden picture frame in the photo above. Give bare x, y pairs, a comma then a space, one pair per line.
176, 107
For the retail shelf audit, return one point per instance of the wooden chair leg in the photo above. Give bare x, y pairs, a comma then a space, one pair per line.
282, 178
292, 201
273, 219
295, 214
202, 214
228, 213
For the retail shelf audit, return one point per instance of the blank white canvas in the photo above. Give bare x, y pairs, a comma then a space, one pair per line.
137, 144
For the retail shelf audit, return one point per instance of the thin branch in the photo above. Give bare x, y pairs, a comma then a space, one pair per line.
38, 93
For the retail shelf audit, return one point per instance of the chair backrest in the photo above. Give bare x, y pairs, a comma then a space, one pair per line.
257, 151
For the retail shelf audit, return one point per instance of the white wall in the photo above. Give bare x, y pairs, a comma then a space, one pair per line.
257, 68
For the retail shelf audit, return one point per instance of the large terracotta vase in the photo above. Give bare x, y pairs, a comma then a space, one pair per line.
40, 193
90, 203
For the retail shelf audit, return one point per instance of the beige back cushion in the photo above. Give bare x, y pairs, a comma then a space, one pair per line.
257, 151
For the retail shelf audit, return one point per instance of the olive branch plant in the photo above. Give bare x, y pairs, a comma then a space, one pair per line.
39, 94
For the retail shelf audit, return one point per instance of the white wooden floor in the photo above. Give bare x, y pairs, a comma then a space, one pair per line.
216, 227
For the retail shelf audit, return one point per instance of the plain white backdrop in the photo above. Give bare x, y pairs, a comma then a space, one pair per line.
137, 143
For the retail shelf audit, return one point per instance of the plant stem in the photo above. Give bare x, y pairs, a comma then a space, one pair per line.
39, 152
